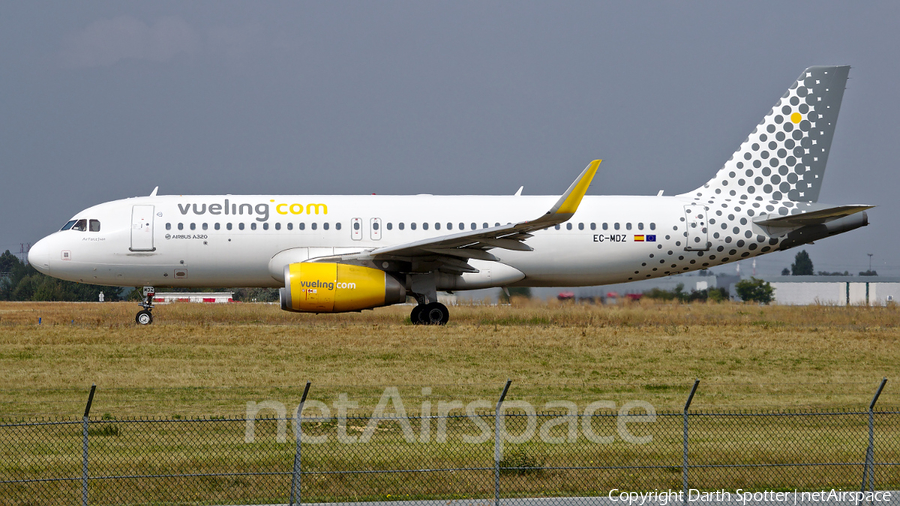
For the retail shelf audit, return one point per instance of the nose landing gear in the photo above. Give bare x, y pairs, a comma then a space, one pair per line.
145, 316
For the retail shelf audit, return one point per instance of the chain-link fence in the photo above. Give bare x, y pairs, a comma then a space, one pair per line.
562, 453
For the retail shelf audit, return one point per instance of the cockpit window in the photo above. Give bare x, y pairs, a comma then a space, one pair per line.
82, 225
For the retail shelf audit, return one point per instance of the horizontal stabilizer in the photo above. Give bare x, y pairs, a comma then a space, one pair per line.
780, 224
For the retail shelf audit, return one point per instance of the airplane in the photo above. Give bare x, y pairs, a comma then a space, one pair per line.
337, 253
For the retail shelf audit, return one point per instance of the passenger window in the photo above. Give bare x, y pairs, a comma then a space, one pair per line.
496, 224
581, 226
301, 226
375, 225
400, 225
356, 225
425, 226
616, 226
449, 226
193, 226
68, 225
241, 226
653, 226
473, 226
412, 226
390, 226
484, 225
462, 226
278, 226
437, 226
265, 226
217, 226
181, 226
568, 226
337, 226
314, 226
556, 227
205, 226
605, 226
290, 226
325, 226
228, 226
253, 226
628, 226
168, 226
593, 226
641, 226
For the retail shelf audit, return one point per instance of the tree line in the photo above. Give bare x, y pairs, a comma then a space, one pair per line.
803, 266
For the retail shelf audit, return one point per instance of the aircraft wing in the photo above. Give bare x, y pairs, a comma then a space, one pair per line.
781, 224
450, 253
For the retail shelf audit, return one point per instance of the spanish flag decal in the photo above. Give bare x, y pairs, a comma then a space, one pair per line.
638, 238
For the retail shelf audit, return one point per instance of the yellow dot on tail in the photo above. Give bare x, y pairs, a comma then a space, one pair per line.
796, 117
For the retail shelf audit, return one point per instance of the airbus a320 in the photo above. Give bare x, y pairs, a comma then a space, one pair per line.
332, 253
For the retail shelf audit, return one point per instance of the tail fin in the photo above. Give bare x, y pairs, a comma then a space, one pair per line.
785, 156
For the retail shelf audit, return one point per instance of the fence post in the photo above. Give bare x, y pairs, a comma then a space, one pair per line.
497, 444
684, 461
84, 447
298, 436
869, 468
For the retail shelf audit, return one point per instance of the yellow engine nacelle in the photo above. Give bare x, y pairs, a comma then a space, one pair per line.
334, 288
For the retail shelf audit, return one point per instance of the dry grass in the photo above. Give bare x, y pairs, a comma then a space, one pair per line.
211, 360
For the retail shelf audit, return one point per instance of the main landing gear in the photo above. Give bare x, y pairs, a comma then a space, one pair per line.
433, 313
429, 311
145, 316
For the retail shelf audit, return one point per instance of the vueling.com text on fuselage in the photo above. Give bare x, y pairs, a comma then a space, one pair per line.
260, 211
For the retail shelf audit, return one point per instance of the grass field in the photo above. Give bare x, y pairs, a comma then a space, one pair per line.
210, 360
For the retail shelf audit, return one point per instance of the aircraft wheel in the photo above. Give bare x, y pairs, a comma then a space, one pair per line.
435, 314
144, 317
416, 314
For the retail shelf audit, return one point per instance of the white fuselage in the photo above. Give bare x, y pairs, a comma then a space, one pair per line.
229, 240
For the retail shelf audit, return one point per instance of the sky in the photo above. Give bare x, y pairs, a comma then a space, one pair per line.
107, 100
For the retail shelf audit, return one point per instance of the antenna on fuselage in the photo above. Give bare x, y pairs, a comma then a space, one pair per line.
519, 191
153, 193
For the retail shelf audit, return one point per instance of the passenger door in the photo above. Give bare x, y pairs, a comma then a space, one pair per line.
697, 227
142, 228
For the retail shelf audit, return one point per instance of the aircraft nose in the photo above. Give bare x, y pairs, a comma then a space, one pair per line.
39, 256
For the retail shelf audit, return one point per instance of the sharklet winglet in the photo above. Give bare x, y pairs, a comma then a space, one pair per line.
570, 200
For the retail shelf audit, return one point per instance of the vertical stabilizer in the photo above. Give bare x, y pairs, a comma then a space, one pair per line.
785, 156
